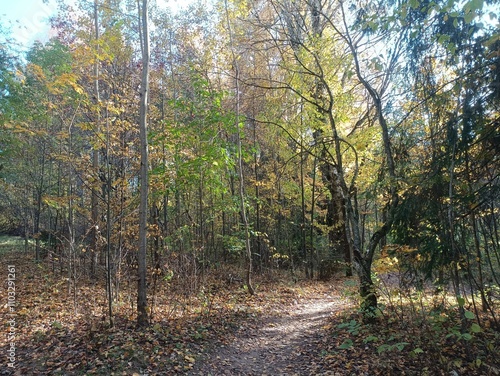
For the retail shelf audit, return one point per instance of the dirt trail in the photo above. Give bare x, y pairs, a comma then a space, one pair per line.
279, 343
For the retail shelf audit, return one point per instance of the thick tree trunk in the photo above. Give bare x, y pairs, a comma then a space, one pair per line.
367, 291
336, 217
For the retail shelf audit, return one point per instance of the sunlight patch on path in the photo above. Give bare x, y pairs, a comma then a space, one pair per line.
282, 343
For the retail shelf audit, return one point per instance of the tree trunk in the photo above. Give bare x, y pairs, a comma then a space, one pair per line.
243, 213
109, 222
38, 206
95, 160
367, 291
364, 260
336, 216
142, 314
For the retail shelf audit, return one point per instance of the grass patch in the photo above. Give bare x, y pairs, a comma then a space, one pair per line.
11, 243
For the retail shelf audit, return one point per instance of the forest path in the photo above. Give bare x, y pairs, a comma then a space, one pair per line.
283, 341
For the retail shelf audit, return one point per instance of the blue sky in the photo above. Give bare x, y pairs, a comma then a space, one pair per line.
28, 19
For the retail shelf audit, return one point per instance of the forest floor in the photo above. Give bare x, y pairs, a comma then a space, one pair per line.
286, 341
60, 326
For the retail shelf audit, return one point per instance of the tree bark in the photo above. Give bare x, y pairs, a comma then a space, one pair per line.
363, 260
142, 314
95, 159
243, 212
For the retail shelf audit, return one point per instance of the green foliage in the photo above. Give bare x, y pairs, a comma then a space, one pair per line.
358, 329
11, 243
399, 346
234, 245
347, 344
194, 139
54, 58
353, 327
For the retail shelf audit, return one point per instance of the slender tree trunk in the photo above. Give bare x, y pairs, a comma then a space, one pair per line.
38, 207
109, 267
244, 217
479, 260
313, 205
142, 314
455, 257
259, 248
303, 241
94, 216
201, 235
71, 221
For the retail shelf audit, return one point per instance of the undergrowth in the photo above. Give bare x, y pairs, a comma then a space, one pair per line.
416, 332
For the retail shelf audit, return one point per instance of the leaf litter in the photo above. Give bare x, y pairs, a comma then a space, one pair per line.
286, 341
304, 328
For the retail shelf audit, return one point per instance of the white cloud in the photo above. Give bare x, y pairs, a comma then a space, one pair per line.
29, 19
